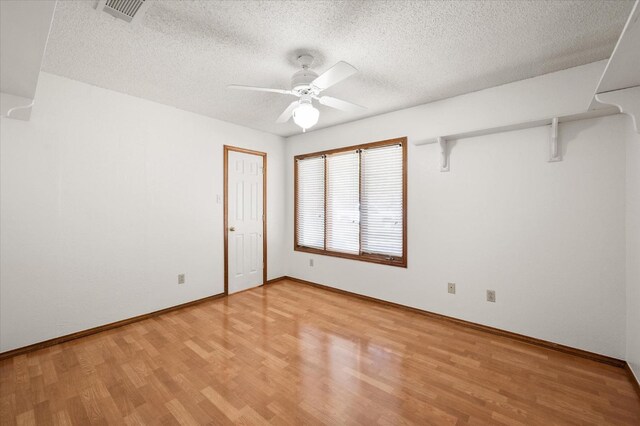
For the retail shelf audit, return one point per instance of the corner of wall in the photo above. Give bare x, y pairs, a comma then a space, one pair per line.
632, 245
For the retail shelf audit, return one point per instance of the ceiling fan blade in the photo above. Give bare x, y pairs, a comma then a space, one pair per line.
340, 104
260, 89
287, 113
334, 75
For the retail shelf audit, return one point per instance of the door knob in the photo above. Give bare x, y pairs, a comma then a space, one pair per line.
232, 228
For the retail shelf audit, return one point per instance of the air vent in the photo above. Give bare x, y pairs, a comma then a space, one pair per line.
127, 10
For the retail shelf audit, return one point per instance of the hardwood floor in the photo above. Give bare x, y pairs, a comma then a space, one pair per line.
289, 353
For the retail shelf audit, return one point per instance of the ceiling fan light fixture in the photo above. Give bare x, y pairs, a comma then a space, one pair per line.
307, 85
306, 115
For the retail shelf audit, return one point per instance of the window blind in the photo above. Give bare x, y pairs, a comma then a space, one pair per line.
350, 202
343, 202
310, 204
381, 198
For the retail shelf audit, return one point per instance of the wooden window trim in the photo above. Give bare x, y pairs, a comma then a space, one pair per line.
373, 258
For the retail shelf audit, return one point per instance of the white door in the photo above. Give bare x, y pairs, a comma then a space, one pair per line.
244, 219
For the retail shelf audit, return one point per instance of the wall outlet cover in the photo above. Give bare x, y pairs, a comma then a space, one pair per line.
451, 288
181, 279
311, 262
491, 295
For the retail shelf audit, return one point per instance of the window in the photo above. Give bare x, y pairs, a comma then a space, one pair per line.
310, 218
351, 202
343, 202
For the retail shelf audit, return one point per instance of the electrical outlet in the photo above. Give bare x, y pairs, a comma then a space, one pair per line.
181, 279
491, 295
311, 262
451, 288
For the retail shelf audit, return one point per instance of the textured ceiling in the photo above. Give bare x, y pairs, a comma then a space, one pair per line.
185, 53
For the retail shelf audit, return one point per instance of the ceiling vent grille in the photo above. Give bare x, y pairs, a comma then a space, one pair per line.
127, 10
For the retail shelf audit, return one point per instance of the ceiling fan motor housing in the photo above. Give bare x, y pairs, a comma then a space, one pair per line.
307, 85
301, 80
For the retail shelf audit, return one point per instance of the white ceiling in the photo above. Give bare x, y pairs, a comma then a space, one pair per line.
185, 53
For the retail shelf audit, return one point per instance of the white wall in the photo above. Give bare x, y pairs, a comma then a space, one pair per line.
105, 199
548, 237
633, 251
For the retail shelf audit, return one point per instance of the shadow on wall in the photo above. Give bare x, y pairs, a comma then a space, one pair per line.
569, 134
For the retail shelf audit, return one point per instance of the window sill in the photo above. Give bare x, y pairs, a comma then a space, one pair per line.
371, 258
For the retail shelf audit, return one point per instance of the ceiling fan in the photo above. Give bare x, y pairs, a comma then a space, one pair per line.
307, 86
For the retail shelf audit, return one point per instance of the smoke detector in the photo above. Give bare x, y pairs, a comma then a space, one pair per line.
127, 10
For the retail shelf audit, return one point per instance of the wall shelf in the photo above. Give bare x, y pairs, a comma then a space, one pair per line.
620, 83
602, 112
555, 151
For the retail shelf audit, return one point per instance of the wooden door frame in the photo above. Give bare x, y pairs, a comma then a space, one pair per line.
227, 149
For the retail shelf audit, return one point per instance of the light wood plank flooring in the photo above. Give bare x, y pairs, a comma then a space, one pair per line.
293, 354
